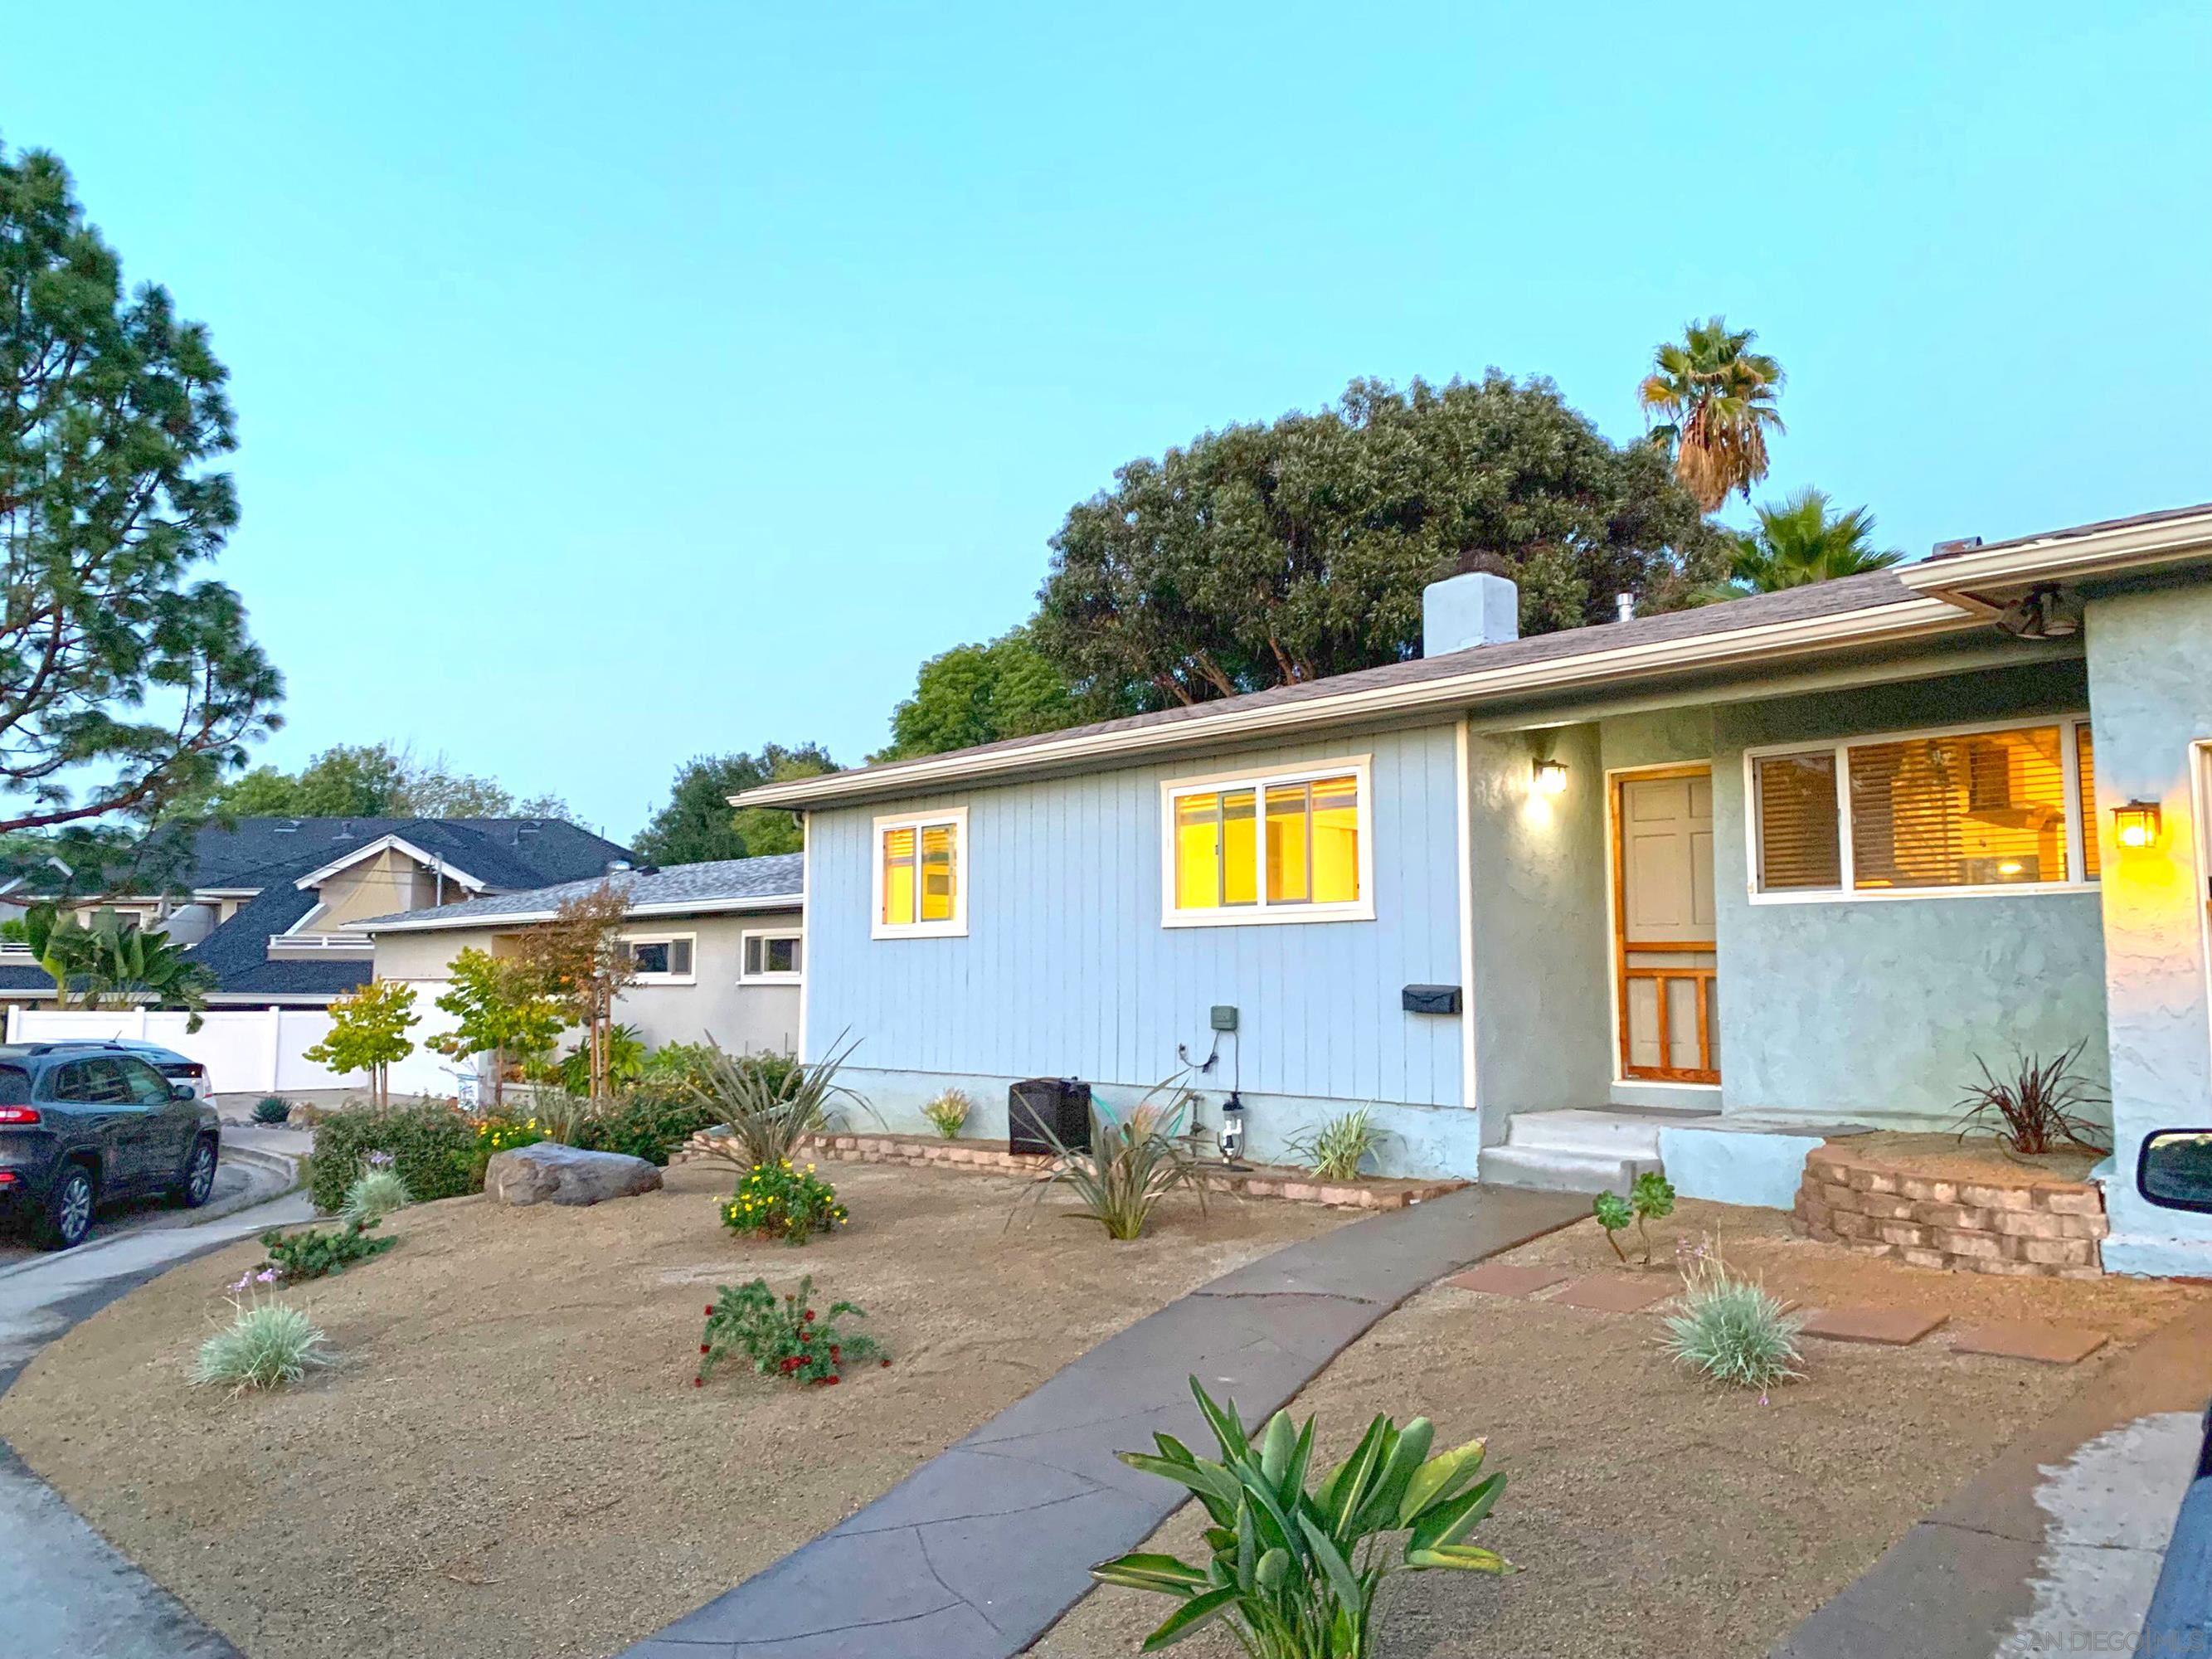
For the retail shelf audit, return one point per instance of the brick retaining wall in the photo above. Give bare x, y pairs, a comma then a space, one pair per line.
992, 1157
2027, 1226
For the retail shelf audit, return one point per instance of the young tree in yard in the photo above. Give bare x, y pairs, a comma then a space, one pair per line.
699, 824
368, 1033
976, 694
503, 1009
1713, 400
582, 961
1264, 555
127, 678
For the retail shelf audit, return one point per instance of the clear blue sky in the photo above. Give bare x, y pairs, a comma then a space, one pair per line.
619, 382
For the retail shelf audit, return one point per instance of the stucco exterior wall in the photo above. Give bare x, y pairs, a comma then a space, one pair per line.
738, 1016
2151, 702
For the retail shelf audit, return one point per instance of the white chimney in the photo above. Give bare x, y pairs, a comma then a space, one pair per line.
1624, 607
1473, 608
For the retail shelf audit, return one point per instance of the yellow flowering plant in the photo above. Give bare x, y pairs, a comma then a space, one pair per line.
777, 1201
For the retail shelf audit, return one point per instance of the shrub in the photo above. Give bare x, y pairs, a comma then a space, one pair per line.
272, 1108
1732, 1330
266, 1344
787, 1338
1133, 1164
2039, 1106
319, 1251
770, 1102
625, 1061
650, 1119
432, 1144
1335, 1151
948, 1112
1298, 1569
775, 1200
376, 1192
679, 1065
560, 1112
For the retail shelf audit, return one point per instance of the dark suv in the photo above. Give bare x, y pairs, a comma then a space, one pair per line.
81, 1123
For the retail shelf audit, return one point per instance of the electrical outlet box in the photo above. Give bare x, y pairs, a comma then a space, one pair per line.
1225, 1017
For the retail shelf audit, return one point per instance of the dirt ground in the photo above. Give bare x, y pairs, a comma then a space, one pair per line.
507, 1459
1652, 1514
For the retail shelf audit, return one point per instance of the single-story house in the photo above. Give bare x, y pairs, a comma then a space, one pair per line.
1772, 865
718, 947
270, 905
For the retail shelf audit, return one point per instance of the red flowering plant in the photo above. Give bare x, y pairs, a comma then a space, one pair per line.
786, 1337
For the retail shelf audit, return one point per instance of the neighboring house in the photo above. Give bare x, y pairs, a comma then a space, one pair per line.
718, 947
1791, 860
271, 906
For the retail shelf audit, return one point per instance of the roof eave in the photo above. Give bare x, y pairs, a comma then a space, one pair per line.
1976, 579
1901, 620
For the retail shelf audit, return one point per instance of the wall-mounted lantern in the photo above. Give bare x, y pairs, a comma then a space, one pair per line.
2138, 825
1550, 777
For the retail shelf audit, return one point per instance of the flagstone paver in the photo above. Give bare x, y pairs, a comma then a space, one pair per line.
1617, 1292
1502, 1278
979, 1550
2031, 1338
1892, 1326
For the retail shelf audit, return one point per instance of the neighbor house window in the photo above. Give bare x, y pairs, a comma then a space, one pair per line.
663, 960
1929, 812
771, 958
1280, 847
921, 875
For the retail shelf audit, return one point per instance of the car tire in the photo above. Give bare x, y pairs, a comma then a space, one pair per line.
198, 1181
69, 1206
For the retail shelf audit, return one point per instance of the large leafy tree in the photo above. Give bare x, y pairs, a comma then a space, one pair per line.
127, 678
374, 780
1263, 555
976, 694
1711, 399
699, 824
1803, 540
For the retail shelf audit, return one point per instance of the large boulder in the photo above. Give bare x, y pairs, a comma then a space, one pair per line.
551, 1173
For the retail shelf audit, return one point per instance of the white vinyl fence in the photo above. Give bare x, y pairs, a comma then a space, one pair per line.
250, 1050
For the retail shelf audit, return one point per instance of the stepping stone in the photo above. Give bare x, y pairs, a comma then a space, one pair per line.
1895, 1327
2031, 1338
1500, 1278
1616, 1293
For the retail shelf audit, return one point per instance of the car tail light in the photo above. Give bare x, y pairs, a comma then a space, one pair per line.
9, 1178
191, 1068
18, 1115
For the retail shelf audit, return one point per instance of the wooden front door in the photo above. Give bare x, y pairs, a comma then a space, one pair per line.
1664, 935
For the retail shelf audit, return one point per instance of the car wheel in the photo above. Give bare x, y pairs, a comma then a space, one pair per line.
198, 1179
68, 1210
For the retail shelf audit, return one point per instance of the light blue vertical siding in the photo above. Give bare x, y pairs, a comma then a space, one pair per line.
1066, 970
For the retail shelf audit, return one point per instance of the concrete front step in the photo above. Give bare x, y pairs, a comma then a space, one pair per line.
1609, 1133
1553, 1169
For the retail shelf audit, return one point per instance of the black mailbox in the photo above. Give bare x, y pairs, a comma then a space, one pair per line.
1432, 999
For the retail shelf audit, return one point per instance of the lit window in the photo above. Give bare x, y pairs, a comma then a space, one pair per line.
1930, 812
921, 875
1283, 848
771, 956
668, 958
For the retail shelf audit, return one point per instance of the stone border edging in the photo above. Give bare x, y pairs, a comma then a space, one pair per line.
2033, 1228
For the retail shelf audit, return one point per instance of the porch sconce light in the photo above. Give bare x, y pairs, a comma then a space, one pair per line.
1550, 777
2138, 823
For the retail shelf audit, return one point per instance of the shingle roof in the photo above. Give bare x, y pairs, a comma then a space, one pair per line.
729, 884
501, 851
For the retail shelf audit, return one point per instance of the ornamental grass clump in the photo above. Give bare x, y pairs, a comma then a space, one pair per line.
1732, 1330
2039, 1108
770, 1104
779, 1200
787, 1338
1131, 1164
376, 1192
948, 1112
1297, 1570
265, 1345
1337, 1149
272, 1108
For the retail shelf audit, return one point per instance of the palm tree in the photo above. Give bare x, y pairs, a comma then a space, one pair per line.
1712, 401
129, 965
1800, 542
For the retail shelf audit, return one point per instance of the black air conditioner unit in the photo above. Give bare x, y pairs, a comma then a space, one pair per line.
1038, 1104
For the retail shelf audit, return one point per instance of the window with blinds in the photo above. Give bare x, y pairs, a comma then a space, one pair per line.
1290, 844
1947, 810
920, 865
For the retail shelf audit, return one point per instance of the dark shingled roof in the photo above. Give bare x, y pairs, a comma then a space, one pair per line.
778, 878
501, 852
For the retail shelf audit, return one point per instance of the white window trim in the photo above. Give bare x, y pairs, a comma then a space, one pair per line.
691, 978
744, 951
2078, 812
1260, 914
957, 926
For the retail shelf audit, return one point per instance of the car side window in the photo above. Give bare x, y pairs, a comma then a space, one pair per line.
104, 1083
66, 1082
147, 1086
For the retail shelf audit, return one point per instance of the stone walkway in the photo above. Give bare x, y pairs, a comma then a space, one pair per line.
978, 1552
